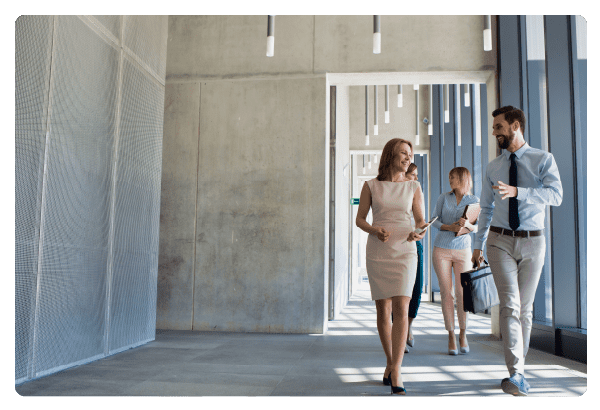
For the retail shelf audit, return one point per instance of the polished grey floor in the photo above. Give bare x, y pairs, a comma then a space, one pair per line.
347, 361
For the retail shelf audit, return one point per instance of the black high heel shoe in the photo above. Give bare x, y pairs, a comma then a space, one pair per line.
387, 380
396, 389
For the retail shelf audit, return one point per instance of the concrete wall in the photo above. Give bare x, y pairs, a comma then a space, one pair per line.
244, 233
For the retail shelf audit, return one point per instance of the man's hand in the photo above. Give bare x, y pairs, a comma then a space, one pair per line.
506, 190
477, 257
382, 234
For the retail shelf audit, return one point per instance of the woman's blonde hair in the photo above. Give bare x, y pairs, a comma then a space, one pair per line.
387, 157
464, 177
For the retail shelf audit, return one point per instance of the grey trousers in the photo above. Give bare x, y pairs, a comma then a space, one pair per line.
516, 267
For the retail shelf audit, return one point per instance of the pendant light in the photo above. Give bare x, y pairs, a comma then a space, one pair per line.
387, 104
477, 111
363, 164
270, 36
457, 114
376, 34
399, 96
366, 115
375, 126
487, 33
430, 125
416, 87
375, 158
369, 161
446, 103
467, 95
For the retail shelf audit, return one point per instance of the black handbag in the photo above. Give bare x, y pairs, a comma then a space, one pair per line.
479, 289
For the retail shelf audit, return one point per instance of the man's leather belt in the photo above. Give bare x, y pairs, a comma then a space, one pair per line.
521, 234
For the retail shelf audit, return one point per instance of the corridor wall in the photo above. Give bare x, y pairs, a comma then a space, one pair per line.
88, 148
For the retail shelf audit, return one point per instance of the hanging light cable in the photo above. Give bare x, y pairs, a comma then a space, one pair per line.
375, 126
487, 33
387, 104
446, 103
367, 114
376, 34
467, 95
416, 87
430, 125
270, 36
399, 96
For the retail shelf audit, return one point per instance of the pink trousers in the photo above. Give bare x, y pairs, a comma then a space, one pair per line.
444, 260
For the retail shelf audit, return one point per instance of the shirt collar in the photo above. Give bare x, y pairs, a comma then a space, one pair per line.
519, 153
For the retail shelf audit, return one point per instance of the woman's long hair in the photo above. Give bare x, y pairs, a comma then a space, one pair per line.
387, 157
464, 177
411, 168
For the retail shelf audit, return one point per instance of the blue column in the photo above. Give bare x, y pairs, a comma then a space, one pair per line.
424, 175
579, 64
561, 136
467, 143
436, 167
449, 142
457, 124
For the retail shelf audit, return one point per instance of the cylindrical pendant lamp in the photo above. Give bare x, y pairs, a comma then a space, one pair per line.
487, 33
457, 114
430, 125
446, 103
375, 127
270, 36
367, 114
369, 161
416, 87
467, 95
399, 96
363, 163
387, 104
375, 158
376, 34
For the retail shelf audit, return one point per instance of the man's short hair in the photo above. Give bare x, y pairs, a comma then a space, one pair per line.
511, 114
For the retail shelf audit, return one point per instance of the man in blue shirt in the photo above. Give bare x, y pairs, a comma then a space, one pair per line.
516, 246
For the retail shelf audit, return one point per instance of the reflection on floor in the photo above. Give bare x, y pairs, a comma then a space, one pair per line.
347, 361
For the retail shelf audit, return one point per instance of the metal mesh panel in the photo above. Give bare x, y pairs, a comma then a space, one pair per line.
66, 70
111, 23
146, 37
72, 297
32, 75
137, 210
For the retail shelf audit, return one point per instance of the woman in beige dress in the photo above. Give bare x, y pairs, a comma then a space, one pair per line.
391, 250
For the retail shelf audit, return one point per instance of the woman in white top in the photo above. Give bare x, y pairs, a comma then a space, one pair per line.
453, 252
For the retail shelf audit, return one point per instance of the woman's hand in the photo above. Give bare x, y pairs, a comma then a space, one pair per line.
464, 222
452, 228
413, 236
382, 234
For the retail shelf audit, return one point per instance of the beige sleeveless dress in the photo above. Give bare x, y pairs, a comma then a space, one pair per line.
391, 265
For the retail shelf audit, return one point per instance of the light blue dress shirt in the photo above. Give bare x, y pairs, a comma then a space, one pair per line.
448, 212
538, 185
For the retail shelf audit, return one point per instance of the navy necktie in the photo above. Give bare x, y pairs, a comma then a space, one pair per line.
513, 204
